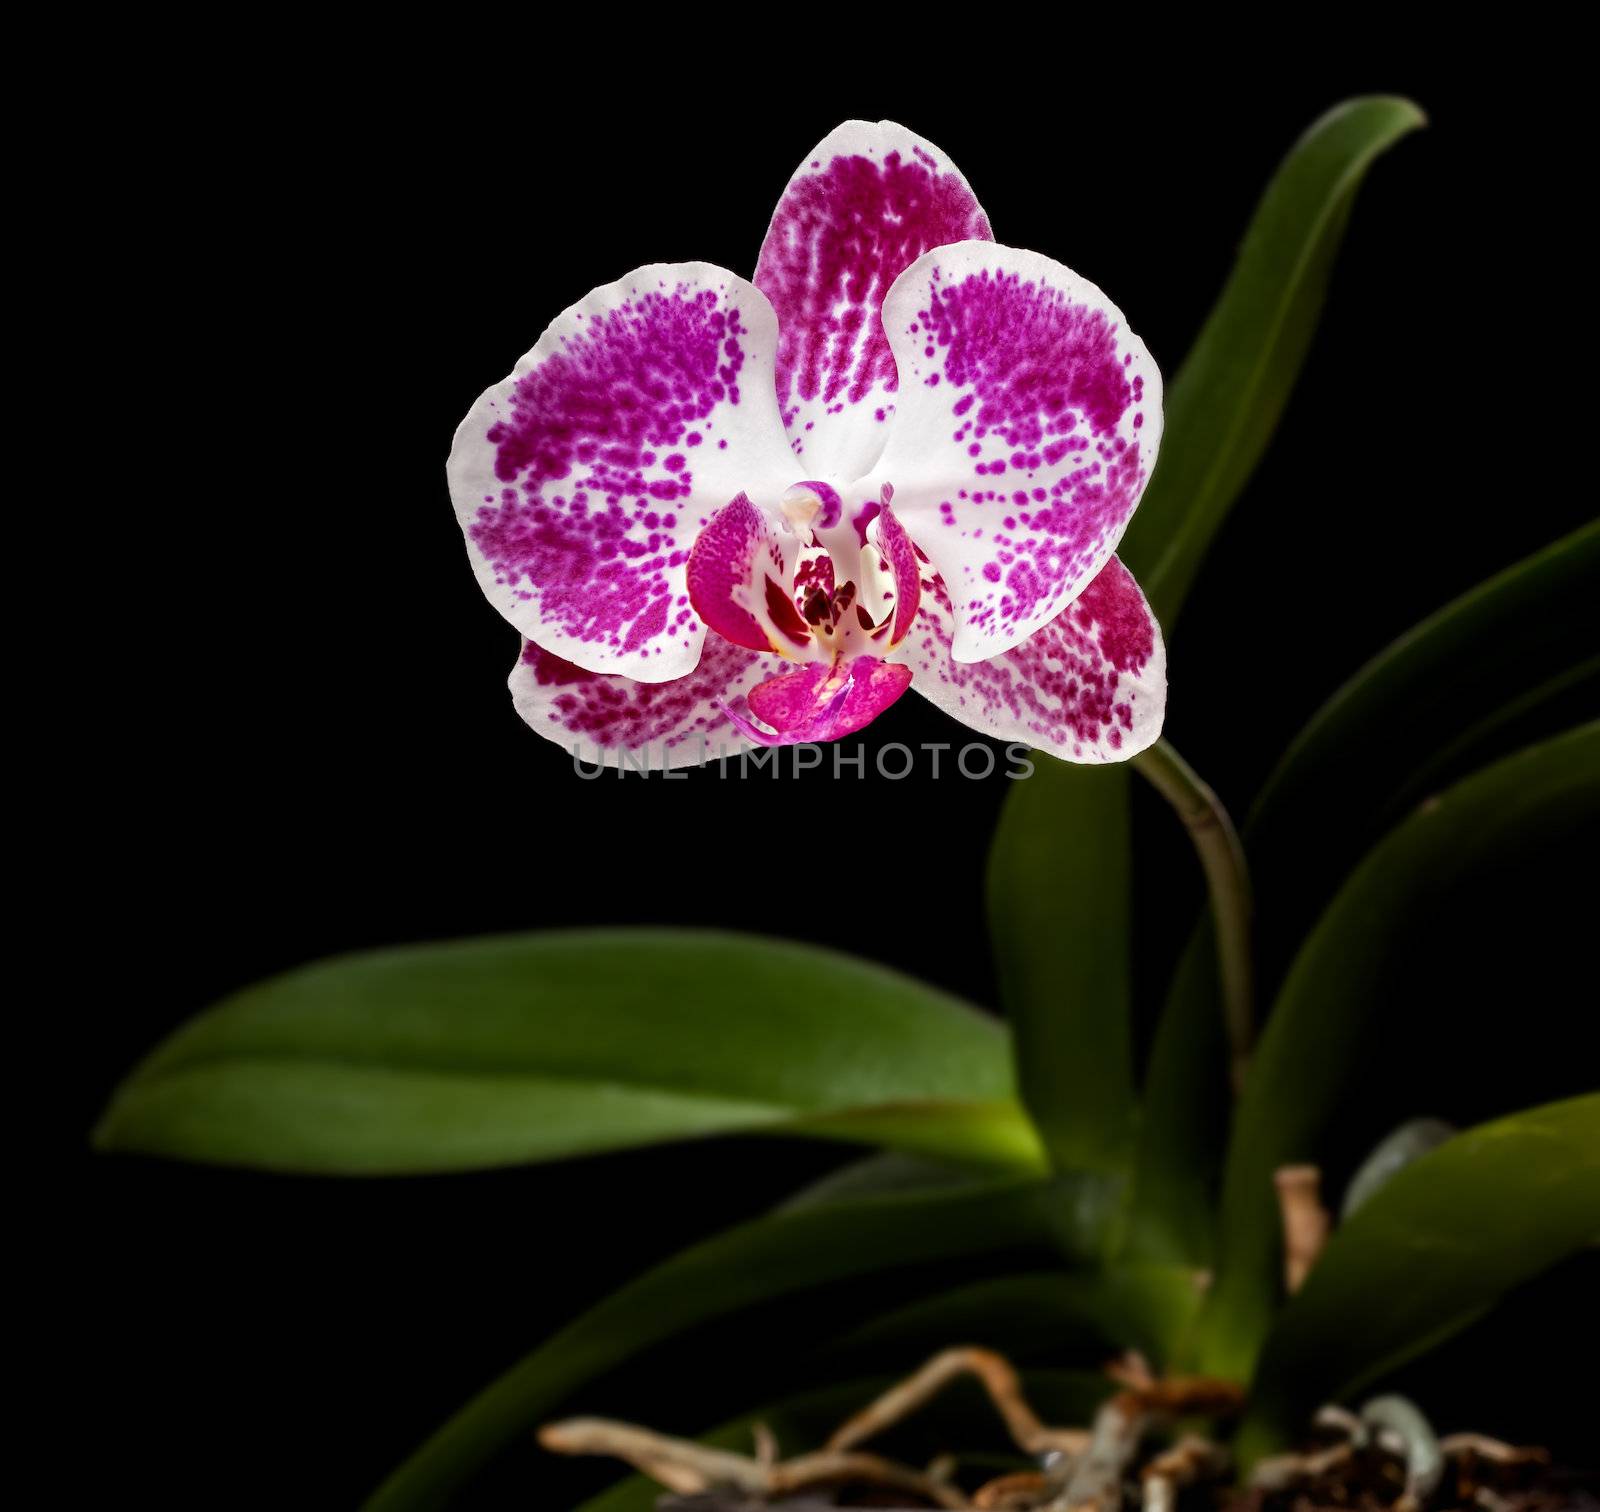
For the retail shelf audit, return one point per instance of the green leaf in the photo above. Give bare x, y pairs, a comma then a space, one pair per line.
773, 1257
889, 1173
536, 1047
1315, 1036
1555, 703
1391, 1155
947, 1424
1426, 1254
1096, 1313
1059, 921
1452, 691
1187, 1107
1445, 685
1225, 402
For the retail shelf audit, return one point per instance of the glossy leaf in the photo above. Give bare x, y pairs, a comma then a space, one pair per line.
1428, 1253
773, 1257
1558, 702
1226, 400
1059, 920
1314, 1038
1187, 1107
1515, 651
1447, 682
536, 1047
1093, 1314
1392, 1154
889, 1173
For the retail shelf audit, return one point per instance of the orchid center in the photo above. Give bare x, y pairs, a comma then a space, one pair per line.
830, 589
839, 597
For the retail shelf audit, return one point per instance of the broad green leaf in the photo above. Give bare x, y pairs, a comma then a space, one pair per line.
949, 1423
1094, 1313
1059, 921
1315, 1036
1426, 1254
1392, 1154
536, 1047
1558, 702
1443, 687
773, 1257
1186, 1110
889, 1173
1452, 691
1225, 402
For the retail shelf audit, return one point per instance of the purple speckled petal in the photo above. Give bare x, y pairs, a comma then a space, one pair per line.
1027, 429
740, 572
1090, 687
819, 702
582, 480
662, 725
865, 204
899, 557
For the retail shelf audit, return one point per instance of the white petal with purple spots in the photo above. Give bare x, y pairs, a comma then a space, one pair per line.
582, 479
1027, 428
655, 726
866, 203
1091, 686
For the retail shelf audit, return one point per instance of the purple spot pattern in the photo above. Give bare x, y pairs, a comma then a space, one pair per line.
1088, 687
900, 555
605, 712
1038, 401
737, 549
1023, 449
595, 454
844, 230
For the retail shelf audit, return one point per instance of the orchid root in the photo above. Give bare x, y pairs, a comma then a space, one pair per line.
1305, 1221
997, 1377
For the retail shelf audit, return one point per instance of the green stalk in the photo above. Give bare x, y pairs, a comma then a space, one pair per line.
1216, 842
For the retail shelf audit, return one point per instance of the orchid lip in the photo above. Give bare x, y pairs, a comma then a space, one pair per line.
819, 702
829, 716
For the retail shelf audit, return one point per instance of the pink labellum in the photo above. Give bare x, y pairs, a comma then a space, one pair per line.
820, 703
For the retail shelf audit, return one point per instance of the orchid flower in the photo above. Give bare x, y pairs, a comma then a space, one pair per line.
727, 514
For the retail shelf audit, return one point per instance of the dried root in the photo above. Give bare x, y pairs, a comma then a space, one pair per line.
1095, 1480
1018, 1492
1306, 1224
997, 1377
1469, 1446
1188, 1461
1394, 1426
1081, 1471
690, 1469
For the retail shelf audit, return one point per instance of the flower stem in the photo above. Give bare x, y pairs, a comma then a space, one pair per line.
1227, 880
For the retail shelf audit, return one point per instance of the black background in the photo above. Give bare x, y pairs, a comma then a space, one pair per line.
297, 732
